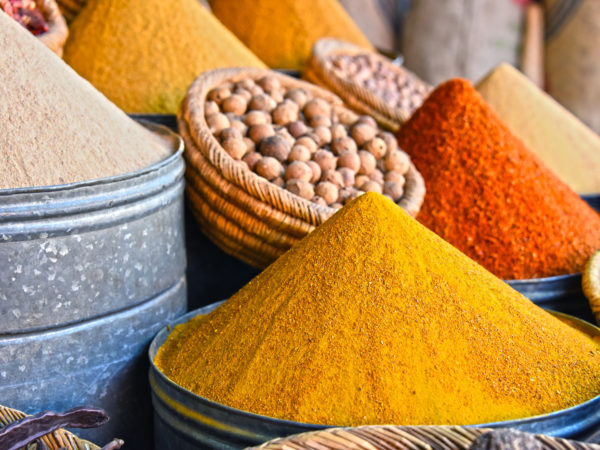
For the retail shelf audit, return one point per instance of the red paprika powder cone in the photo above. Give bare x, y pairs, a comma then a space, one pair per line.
489, 195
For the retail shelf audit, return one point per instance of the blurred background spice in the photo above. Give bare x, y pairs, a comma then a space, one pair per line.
143, 54
282, 32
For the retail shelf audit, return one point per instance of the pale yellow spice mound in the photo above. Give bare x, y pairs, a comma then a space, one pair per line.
282, 32
372, 318
560, 139
144, 54
55, 127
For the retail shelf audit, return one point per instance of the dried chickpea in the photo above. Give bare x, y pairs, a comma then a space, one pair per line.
298, 170
297, 128
298, 96
277, 95
299, 153
230, 133
325, 159
243, 93
342, 144
318, 200
355, 193
398, 161
210, 107
236, 148
262, 102
219, 94
347, 176
279, 181
257, 117
269, 83
275, 146
390, 140
367, 162
239, 125
396, 177
336, 206
246, 83
250, 145
362, 132
328, 191
285, 112
301, 188
284, 133
217, 122
371, 186
368, 120
334, 177
323, 135
349, 159
308, 142
394, 190
316, 170
256, 90
259, 132
376, 147
377, 176
252, 159
360, 180
316, 107
320, 121
338, 131
269, 168
345, 194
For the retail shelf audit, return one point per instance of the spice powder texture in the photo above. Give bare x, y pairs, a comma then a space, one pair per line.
372, 318
144, 54
489, 195
56, 128
282, 32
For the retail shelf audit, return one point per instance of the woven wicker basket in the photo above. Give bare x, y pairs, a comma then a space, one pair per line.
57, 33
373, 437
243, 213
59, 439
590, 281
319, 70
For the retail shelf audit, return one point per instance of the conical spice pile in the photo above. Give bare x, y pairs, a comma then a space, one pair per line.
144, 54
56, 128
283, 32
372, 318
491, 196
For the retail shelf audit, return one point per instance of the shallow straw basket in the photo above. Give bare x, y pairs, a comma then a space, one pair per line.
243, 213
590, 281
319, 70
426, 437
58, 439
71, 8
57, 33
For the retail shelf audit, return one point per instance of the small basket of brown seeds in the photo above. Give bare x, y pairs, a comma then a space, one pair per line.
367, 81
270, 157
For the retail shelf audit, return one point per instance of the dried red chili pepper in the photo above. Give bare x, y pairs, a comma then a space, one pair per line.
489, 195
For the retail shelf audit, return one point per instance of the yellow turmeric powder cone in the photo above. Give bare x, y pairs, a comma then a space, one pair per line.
144, 54
282, 32
372, 318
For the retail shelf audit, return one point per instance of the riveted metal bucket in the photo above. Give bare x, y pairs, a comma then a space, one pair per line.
561, 293
184, 420
593, 200
90, 272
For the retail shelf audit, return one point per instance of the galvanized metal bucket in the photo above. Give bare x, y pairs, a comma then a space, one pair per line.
593, 200
562, 293
184, 420
90, 272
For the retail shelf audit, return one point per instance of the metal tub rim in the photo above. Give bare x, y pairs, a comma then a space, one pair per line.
526, 423
554, 278
156, 128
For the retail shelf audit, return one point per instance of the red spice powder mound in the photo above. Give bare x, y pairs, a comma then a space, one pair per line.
489, 195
